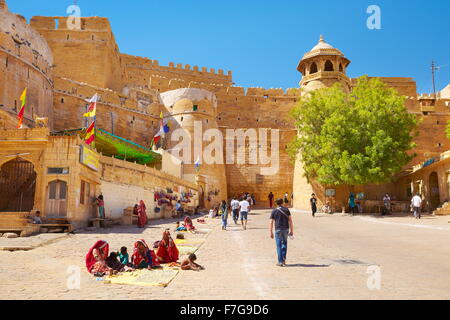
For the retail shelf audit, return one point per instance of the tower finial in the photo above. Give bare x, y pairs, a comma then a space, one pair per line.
321, 38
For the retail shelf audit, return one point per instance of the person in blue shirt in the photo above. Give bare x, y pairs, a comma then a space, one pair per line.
281, 219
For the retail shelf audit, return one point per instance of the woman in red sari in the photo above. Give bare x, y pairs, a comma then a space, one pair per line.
167, 249
96, 259
189, 224
143, 257
142, 215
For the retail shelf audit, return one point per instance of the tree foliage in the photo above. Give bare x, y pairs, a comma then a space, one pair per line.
356, 138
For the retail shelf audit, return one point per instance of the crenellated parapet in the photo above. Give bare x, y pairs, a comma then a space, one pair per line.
141, 69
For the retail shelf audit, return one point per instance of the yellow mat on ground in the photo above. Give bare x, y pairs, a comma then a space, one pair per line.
144, 277
189, 242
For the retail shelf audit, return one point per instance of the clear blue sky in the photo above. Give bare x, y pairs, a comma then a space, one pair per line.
262, 41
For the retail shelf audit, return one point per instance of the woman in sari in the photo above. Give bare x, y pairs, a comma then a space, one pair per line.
189, 224
142, 215
143, 257
96, 259
167, 249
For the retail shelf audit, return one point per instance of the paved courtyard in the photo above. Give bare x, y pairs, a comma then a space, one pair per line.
328, 259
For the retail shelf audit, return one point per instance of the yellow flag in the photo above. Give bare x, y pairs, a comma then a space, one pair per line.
23, 97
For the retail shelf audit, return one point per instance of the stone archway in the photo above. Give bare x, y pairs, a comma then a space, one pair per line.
435, 199
17, 186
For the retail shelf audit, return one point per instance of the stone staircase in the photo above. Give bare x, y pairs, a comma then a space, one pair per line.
16, 222
443, 210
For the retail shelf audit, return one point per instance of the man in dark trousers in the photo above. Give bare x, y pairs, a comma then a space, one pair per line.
284, 227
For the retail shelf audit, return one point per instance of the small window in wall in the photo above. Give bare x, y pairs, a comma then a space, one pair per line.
6, 62
58, 171
68, 37
341, 69
439, 144
182, 119
92, 37
62, 100
195, 107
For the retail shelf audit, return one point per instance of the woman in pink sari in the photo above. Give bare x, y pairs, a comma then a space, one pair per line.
143, 257
142, 215
96, 259
189, 224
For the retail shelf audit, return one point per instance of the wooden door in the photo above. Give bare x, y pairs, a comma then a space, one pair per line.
57, 199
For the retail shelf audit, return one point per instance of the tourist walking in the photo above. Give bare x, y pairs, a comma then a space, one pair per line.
244, 208
271, 196
352, 203
313, 201
387, 204
224, 209
286, 198
235, 209
281, 219
416, 203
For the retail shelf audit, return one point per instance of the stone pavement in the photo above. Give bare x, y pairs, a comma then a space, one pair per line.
328, 259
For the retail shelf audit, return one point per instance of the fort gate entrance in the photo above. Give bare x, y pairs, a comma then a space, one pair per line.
17, 186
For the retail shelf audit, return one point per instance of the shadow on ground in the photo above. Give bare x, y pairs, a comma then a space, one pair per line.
302, 265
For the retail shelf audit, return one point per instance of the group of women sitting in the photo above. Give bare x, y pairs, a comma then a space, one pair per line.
100, 262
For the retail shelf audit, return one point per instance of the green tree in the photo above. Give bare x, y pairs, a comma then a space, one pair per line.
356, 138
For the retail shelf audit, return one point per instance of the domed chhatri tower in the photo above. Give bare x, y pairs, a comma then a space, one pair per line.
323, 66
195, 110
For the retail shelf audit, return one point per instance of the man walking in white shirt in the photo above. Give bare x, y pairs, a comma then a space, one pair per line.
235, 207
244, 207
416, 203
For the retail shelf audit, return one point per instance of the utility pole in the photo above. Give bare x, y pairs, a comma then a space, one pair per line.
433, 71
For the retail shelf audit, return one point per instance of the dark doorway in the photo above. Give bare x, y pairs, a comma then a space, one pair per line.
435, 199
17, 186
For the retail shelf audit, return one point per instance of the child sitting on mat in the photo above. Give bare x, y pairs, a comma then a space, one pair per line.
178, 228
189, 263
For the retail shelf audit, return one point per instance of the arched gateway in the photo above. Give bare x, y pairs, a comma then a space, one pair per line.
17, 186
